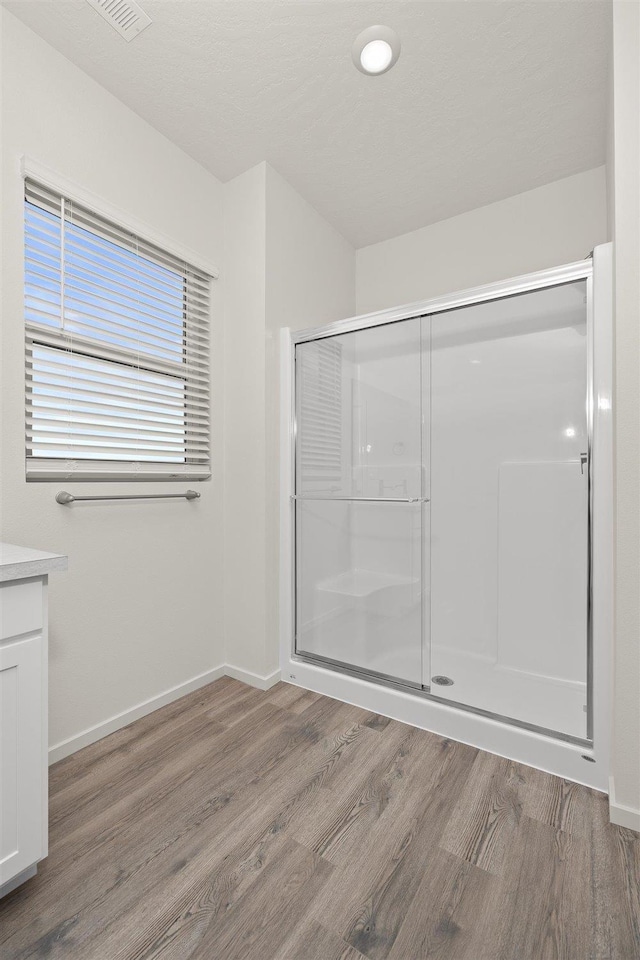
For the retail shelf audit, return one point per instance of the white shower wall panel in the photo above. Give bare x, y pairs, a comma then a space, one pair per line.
509, 485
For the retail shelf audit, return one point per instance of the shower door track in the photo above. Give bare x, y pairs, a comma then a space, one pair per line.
425, 693
305, 496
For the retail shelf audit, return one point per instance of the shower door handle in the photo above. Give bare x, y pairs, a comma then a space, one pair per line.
584, 459
295, 496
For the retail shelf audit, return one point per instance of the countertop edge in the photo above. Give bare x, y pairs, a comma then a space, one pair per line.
22, 569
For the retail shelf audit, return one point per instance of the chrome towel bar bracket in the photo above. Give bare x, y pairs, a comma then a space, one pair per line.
67, 498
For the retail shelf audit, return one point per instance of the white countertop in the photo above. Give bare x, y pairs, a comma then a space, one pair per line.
16, 563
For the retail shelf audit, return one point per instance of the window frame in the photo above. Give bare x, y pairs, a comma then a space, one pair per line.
193, 266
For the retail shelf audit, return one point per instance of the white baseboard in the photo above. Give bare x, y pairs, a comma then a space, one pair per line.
620, 813
66, 747
253, 679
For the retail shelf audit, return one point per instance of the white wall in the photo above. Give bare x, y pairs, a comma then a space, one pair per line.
285, 266
244, 445
310, 266
140, 609
310, 270
551, 225
626, 161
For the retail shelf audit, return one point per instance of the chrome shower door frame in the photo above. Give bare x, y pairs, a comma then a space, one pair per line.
541, 747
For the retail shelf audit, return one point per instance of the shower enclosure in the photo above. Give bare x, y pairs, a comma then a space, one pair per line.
442, 502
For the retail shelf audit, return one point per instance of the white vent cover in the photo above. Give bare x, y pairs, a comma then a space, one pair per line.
125, 16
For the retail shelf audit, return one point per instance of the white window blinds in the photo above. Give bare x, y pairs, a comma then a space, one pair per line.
320, 412
117, 350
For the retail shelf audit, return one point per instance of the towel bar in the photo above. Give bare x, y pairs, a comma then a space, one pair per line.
66, 498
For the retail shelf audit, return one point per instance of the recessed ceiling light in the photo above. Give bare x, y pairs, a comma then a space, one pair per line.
375, 50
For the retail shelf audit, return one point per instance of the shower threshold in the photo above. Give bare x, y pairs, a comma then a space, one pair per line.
375, 678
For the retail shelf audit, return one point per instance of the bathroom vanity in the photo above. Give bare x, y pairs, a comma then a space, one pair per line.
24, 577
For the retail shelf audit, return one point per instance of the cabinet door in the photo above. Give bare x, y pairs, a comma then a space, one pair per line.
21, 765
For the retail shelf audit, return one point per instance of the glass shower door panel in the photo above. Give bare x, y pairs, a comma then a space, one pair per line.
509, 507
358, 413
358, 586
359, 484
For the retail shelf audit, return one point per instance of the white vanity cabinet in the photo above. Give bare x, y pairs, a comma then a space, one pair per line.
23, 711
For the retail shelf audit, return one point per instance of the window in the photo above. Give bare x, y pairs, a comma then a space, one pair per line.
117, 350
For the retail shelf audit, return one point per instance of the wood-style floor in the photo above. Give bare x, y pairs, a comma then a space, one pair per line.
241, 825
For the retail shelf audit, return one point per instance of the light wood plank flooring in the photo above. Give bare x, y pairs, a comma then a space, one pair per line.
237, 824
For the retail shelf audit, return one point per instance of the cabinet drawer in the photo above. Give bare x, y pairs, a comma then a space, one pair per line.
20, 608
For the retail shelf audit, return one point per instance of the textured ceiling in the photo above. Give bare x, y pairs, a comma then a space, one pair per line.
487, 99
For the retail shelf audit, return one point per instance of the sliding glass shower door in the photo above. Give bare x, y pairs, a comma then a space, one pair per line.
509, 511
359, 490
441, 505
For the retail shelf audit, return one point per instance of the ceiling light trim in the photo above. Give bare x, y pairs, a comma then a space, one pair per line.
369, 36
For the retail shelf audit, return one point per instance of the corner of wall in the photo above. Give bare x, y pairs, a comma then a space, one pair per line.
310, 281
545, 227
610, 154
621, 814
284, 266
244, 440
626, 652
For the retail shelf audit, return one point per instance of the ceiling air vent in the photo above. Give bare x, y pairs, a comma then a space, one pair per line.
125, 16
